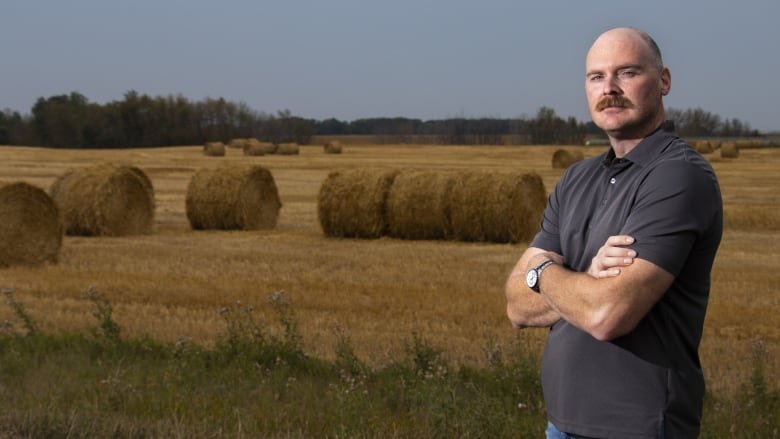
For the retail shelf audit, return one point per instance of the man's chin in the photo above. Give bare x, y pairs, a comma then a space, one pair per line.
625, 129
610, 125
617, 130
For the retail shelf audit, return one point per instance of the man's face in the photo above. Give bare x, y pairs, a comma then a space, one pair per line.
623, 85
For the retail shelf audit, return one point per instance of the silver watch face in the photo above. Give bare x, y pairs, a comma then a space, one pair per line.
531, 278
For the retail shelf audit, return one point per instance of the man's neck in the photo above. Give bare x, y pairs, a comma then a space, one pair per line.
623, 146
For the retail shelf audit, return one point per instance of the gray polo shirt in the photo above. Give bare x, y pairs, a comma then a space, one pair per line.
648, 382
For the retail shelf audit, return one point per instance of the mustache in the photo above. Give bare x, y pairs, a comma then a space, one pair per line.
614, 101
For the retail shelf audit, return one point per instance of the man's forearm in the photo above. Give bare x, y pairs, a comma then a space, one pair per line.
524, 307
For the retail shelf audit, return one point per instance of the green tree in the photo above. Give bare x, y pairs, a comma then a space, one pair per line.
60, 120
546, 127
5, 138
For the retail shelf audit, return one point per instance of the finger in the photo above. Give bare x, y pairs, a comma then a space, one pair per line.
618, 252
612, 272
620, 240
619, 261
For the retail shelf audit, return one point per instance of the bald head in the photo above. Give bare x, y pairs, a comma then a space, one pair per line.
630, 35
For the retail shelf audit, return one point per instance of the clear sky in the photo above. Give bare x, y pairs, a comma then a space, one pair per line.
352, 59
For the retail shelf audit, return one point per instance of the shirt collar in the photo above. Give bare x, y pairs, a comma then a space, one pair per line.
648, 148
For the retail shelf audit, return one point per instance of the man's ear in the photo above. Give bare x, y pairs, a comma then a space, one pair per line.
666, 81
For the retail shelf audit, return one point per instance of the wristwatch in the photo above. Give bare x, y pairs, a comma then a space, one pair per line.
534, 274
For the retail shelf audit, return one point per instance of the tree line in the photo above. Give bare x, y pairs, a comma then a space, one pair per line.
139, 120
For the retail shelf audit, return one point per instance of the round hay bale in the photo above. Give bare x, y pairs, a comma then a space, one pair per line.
287, 149
31, 228
237, 143
252, 147
214, 149
703, 147
353, 203
268, 148
417, 205
105, 200
487, 207
332, 147
233, 198
562, 158
729, 150
145, 181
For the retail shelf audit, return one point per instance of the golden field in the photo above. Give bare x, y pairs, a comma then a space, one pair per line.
171, 284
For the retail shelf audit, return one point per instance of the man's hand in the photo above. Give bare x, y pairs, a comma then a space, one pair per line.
611, 256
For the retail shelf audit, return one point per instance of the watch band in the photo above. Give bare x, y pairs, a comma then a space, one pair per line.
542, 266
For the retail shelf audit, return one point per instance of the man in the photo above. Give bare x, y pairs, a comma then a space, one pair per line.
620, 269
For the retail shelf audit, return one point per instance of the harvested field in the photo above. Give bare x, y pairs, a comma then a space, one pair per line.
171, 284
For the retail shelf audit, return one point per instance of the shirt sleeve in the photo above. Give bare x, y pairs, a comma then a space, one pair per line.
675, 205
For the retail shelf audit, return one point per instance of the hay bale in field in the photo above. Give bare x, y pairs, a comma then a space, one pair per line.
232, 198
729, 150
417, 205
496, 207
703, 147
563, 158
214, 149
252, 147
237, 143
287, 149
31, 227
269, 148
144, 179
353, 203
105, 199
470, 198
332, 147
467, 206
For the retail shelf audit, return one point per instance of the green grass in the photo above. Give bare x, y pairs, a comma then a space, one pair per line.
257, 381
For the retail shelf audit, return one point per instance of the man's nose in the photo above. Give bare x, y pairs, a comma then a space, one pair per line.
610, 85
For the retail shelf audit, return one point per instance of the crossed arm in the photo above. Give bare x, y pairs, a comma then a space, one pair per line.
607, 301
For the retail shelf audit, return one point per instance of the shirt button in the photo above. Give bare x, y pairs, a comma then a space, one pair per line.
612, 180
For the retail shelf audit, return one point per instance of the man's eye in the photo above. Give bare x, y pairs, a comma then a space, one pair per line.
594, 78
628, 73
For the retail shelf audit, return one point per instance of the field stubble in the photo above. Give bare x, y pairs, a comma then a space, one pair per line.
171, 284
